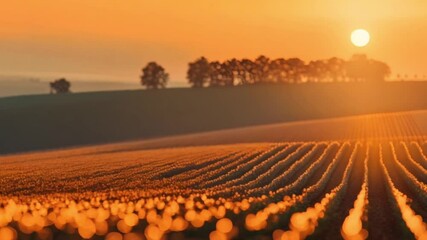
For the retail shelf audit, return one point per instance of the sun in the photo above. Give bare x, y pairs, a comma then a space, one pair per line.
360, 37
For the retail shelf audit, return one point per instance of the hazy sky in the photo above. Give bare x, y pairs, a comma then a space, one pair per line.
113, 39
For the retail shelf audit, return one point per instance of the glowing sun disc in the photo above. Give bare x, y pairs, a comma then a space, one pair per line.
360, 37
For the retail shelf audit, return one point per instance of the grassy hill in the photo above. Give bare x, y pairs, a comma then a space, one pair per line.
54, 121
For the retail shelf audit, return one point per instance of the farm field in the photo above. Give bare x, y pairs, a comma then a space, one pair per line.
366, 180
213, 120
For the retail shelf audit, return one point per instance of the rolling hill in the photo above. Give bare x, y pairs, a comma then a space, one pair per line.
40, 122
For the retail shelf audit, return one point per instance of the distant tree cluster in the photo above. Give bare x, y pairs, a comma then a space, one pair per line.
154, 76
203, 73
60, 86
232, 72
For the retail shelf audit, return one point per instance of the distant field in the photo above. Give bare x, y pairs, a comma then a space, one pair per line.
276, 190
20, 87
47, 122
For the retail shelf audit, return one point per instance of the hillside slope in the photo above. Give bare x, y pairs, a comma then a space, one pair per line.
374, 127
48, 121
411, 126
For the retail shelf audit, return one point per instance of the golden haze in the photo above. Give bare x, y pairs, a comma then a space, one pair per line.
113, 39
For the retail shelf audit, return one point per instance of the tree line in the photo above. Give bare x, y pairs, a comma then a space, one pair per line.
232, 72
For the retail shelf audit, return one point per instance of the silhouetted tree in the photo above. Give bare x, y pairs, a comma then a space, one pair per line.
247, 73
296, 69
221, 74
336, 69
316, 71
215, 78
357, 67
60, 86
278, 70
262, 69
198, 72
228, 69
154, 76
379, 71
360, 68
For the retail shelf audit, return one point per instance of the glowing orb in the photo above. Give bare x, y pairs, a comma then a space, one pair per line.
360, 37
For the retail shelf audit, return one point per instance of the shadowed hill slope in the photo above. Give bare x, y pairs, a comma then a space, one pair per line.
408, 126
56, 121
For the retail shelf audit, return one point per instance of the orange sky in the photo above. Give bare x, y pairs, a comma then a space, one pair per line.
113, 39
